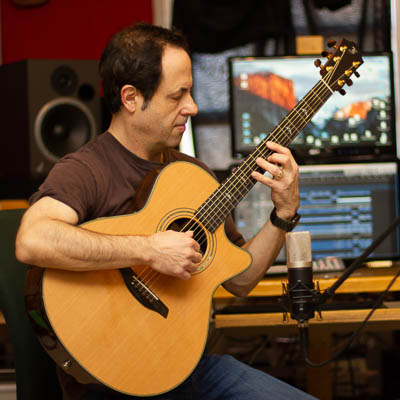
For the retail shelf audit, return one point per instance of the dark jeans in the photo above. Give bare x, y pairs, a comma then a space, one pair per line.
223, 378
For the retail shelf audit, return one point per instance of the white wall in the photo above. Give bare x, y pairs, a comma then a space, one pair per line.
395, 15
162, 16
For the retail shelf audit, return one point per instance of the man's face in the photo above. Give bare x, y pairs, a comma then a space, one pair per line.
163, 121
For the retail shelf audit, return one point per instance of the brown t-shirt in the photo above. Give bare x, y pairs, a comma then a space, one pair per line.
100, 180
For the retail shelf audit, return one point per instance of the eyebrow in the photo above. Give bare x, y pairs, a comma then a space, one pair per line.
180, 91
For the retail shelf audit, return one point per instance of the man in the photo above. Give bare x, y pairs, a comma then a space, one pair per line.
146, 75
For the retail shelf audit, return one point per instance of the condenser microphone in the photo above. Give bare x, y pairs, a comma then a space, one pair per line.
301, 294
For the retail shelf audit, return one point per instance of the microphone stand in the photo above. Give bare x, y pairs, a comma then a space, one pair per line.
329, 292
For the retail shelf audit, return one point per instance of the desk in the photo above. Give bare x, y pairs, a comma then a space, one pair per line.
365, 280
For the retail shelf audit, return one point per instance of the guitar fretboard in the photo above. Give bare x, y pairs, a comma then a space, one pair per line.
228, 195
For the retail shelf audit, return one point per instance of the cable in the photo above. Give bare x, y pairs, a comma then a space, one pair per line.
304, 330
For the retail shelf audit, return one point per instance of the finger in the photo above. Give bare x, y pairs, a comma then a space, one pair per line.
193, 268
266, 180
280, 159
190, 269
273, 169
185, 275
264, 164
281, 155
196, 245
197, 257
277, 147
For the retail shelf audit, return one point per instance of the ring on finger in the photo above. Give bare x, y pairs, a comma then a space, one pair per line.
280, 174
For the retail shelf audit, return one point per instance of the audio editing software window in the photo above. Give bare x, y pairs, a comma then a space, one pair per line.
343, 206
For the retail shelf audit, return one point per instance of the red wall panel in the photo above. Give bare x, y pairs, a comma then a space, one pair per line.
77, 29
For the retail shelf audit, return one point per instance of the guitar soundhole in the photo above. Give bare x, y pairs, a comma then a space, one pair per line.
186, 224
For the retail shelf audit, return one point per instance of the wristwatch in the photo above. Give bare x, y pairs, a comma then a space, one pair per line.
283, 224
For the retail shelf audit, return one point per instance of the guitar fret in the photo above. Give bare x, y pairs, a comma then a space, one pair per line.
227, 196
301, 112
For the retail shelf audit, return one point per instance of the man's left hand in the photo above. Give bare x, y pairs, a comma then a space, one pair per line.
284, 182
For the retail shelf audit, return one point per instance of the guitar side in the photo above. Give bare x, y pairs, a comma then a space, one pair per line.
112, 336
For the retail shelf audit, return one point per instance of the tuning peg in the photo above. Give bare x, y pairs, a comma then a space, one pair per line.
317, 62
349, 82
325, 53
342, 92
356, 74
332, 43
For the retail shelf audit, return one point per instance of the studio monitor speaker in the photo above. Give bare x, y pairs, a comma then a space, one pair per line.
49, 108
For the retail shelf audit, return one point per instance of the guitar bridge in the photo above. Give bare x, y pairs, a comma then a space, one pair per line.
142, 293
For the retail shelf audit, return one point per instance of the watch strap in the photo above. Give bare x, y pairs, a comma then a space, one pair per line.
284, 224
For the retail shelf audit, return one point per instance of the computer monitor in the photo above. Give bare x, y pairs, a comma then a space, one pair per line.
360, 124
343, 206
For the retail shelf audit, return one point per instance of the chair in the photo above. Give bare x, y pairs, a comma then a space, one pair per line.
9, 204
35, 371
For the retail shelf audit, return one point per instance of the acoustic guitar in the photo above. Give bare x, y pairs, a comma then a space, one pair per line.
140, 332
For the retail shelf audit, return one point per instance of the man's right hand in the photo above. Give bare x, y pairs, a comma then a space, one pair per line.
174, 253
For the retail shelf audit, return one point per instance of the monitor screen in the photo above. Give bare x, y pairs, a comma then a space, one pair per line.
343, 206
359, 124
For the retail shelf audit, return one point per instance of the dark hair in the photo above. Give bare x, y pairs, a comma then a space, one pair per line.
133, 57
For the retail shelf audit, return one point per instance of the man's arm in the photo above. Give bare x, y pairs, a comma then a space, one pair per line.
265, 246
50, 237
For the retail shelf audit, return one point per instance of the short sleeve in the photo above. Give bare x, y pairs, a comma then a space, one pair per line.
71, 182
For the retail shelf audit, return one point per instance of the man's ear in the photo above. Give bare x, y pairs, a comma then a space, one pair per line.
129, 97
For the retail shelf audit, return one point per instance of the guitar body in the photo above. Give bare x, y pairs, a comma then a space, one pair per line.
108, 332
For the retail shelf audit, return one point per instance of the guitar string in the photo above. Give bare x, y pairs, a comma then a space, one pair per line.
252, 157
264, 149
245, 168
148, 271
290, 122
231, 184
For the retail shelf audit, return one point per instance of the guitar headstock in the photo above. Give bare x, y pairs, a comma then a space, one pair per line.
342, 63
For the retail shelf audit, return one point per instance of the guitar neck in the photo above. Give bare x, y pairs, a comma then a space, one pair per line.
217, 207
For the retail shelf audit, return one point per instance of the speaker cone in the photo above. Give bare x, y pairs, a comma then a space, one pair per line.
62, 126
